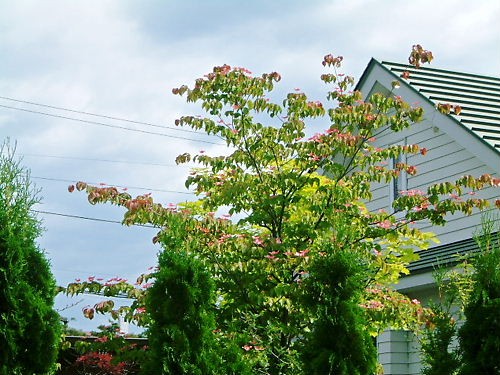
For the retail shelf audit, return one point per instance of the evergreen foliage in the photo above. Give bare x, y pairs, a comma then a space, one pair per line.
177, 304
29, 327
338, 343
480, 335
438, 358
439, 353
182, 309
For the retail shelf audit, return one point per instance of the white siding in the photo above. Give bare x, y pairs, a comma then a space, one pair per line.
453, 151
398, 353
446, 160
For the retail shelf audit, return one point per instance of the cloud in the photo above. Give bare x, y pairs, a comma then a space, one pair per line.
122, 58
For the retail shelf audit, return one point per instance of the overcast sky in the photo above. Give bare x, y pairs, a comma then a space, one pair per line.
122, 58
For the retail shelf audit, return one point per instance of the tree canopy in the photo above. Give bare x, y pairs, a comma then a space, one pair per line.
297, 218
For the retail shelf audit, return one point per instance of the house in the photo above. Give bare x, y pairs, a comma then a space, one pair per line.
464, 144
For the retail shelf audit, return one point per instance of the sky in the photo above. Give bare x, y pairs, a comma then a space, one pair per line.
64, 62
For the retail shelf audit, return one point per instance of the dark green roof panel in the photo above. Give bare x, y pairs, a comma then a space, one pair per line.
477, 95
446, 255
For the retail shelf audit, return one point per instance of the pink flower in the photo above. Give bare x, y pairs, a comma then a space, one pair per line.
302, 253
386, 224
314, 157
412, 192
373, 305
257, 240
316, 138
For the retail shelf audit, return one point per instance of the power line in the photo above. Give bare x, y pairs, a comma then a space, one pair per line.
107, 125
89, 218
87, 273
102, 160
118, 186
98, 115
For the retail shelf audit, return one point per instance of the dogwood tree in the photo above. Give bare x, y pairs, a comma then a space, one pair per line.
301, 205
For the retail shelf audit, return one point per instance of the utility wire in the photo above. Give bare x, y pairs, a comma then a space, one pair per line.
101, 294
86, 273
107, 125
98, 160
97, 115
118, 186
89, 218
103, 160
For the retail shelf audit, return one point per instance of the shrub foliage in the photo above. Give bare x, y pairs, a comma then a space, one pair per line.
29, 326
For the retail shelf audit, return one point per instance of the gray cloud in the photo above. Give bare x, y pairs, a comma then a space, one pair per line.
122, 58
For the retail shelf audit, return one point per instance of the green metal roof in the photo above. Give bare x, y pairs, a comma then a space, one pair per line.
446, 255
443, 256
477, 95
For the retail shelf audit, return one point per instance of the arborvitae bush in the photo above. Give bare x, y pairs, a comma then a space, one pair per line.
29, 326
438, 356
181, 305
338, 343
177, 304
480, 335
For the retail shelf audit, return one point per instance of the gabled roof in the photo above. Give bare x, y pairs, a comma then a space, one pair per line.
443, 256
449, 254
477, 95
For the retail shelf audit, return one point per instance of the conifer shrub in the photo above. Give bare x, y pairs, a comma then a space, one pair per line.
438, 355
480, 334
181, 336
338, 343
29, 326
